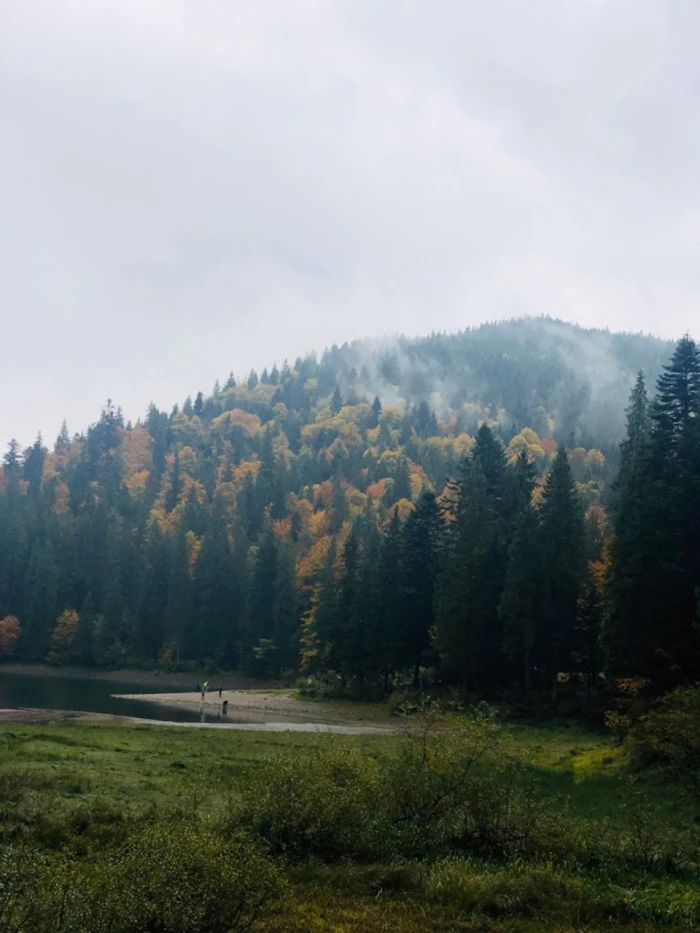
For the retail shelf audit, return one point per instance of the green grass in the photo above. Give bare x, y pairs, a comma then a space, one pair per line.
68, 778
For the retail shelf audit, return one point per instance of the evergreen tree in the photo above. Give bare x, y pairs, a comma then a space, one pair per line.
375, 412
402, 481
285, 609
349, 628
390, 601
521, 601
62, 445
85, 633
564, 567
215, 617
178, 607
469, 590
41, 599
651, 602
262, 603
152, 596
420, 566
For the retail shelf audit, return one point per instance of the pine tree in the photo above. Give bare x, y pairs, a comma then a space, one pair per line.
375, 412
402, 481
41, 599
152, 596
638, 425
586, 643
649, 625
178, 607
677, 405
338, 503
285, 609
336, 401
62, 445
173, 495
85, 633
419, 561
564, 567
33, 465
349, 629
468, 625
215, 616
521, 601
390, 601
262, 600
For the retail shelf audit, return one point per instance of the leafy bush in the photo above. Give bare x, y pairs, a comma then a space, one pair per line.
669, 735
319, 803
170, 877
333, 803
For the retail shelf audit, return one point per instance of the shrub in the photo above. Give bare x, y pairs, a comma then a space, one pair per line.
320, 803
669, 734
172, 876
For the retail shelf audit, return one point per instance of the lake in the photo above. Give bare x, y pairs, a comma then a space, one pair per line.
54, 691
90, 695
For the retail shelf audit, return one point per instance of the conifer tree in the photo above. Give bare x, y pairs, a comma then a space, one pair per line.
521, 601
564, 566
419, 561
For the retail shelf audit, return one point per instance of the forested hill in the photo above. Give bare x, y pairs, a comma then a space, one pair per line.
539, 373
359, 513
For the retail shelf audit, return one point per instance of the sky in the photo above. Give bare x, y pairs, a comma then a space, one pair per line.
189, 188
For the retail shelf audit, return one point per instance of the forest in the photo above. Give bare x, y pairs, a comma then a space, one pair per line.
488, 509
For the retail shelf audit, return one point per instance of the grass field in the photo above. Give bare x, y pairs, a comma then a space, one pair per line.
82, 786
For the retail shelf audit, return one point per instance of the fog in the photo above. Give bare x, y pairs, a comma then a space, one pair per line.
192, 188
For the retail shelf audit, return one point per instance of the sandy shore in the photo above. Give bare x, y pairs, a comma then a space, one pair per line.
277, 722
241, 701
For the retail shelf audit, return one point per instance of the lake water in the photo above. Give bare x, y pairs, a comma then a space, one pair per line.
94, 695
89, 695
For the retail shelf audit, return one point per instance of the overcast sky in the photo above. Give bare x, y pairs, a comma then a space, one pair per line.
189, 187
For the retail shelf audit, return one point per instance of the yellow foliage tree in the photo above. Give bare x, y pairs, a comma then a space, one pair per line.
9, 635
62, 645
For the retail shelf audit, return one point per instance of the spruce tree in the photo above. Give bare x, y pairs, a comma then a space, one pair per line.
214, 614
419, 562
285, 609
390, 600
468, 625
563, 564
178, 607
521, 601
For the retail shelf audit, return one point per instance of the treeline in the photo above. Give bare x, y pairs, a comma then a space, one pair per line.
283, 527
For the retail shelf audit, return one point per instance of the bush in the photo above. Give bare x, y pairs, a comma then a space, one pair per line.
334, 803
669, 735
171, 876
321, 803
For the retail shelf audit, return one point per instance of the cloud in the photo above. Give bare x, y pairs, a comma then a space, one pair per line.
192, 188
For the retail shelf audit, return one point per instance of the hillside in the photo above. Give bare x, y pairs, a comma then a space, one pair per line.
222, 530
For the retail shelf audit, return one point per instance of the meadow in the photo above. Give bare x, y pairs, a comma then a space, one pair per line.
457, 824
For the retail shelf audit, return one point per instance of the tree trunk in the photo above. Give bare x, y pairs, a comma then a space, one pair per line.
528, 673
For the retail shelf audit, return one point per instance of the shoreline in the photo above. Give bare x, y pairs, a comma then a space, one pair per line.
38, 717
258, 703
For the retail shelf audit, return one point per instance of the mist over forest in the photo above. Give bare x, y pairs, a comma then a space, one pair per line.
518, 373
